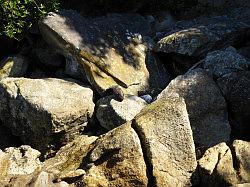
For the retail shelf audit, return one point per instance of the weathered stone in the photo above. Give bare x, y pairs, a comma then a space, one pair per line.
166, 136
18, 161
242, 155
68, 159
46, 179
116, 160
216, 167
47, 108
222, 62
199, 36
111, 54
112, 113
206, 107
236, 89
14, 66
36, 179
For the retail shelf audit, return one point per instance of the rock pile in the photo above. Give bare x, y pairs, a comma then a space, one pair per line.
114, 101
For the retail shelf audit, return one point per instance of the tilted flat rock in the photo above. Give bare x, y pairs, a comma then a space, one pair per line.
198, 37
112, 113
111, 49
242, 155
116, 160
167, 140
216, 167
13, 66
206, 107
47, 108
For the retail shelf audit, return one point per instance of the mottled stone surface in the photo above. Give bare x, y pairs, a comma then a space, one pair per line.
225, 61
116, 160
216, 167
35, 108
236, 89
166, 136
199, 39
112, 54
206, 107
241, 150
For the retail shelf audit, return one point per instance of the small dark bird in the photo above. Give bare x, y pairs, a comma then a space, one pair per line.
115, 91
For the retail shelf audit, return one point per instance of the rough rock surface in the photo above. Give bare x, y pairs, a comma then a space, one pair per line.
199, 39
216, 167
166, 136
241, 150
69, 158
225, 61
14, 66
116, 160
236, 89
112, 113
18, 161
111, 54
48, 108
206, 107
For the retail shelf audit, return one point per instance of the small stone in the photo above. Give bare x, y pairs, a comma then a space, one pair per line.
112, 113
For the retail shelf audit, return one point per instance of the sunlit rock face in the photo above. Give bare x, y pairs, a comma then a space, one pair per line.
113, 50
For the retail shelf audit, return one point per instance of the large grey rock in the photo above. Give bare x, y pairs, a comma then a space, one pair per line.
111, 54
116, 160
199, 36
198, 40
236, 89
47, 108
222, 62
112, 113
13, 66
167, 140
242, 156
206, 107
216, 167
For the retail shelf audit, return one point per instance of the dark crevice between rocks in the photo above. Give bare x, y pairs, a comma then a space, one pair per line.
146, 156
176, 64
7, 139
236, 164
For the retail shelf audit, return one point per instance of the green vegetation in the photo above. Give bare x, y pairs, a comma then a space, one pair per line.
16, 16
